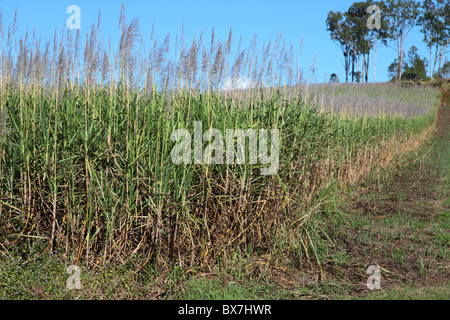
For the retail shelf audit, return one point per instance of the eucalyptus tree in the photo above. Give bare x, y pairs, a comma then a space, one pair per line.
435, 22
444, 72
365, 35
356, 38
401, 17
415, 67
339, 32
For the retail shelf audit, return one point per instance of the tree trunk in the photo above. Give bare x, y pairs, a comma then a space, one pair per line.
367, 67
355, 63
347, 65
431, 71
375, 61
353, 68
363, 71
400, 58
442, 54
435, 59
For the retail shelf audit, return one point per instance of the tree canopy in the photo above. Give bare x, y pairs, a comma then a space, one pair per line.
358, 38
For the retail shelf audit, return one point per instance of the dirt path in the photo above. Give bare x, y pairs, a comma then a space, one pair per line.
404, 228
443, 118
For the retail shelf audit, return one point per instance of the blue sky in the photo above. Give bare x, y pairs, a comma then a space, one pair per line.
295, 19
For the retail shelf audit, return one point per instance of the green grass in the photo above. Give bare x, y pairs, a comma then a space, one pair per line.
214, 289
412, 293
414, 236
46, 279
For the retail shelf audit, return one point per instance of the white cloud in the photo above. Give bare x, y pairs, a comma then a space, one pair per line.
239, 83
